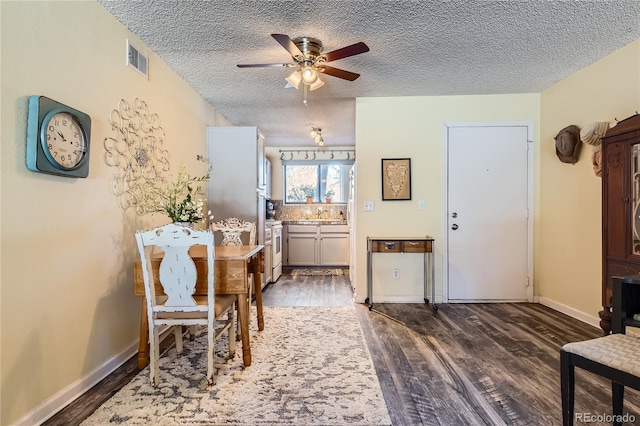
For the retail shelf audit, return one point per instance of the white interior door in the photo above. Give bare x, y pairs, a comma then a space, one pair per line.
487, 213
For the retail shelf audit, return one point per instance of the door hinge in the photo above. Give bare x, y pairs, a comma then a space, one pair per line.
528, 282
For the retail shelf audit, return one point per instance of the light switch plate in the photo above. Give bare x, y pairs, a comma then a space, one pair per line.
421, 204
368, 206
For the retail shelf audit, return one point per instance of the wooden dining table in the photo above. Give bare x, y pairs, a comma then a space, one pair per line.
233, 265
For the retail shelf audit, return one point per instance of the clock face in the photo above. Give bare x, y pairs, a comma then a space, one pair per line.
64, 140
58, 138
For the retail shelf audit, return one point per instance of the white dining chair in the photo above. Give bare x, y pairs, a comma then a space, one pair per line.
232, 229
177, 275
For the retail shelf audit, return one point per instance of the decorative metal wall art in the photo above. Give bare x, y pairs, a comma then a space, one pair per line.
396, 179
136, 151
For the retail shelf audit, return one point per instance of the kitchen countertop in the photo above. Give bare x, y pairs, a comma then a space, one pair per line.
315, 222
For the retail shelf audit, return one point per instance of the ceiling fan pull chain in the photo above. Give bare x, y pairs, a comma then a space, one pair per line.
304, 101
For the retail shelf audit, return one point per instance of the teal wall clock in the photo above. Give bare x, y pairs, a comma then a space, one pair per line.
58, 138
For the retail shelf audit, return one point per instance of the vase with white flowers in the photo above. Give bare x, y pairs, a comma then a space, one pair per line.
178, 199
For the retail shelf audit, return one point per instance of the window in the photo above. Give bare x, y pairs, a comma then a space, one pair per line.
318, 181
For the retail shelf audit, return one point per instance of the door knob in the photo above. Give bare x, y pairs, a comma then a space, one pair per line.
454, 226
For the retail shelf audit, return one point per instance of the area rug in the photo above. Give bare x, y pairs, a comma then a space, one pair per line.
318, 272
310, 365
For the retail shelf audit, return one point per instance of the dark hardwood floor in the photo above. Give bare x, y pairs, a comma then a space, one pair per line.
466, 364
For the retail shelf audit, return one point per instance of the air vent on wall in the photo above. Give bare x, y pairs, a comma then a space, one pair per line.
136, 60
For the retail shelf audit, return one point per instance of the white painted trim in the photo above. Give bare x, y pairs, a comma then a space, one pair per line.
568, 310
57, 402
445, 194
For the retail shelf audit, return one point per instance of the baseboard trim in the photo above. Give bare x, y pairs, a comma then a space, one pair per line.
57, 402
572, 312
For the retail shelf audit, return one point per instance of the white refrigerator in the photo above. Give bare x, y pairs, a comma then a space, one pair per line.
238, 178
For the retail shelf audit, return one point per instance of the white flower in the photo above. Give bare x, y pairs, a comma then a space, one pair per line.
176, 200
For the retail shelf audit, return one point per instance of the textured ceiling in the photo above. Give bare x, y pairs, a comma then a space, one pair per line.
417, 48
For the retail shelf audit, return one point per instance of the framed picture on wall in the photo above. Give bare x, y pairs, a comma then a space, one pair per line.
396, 179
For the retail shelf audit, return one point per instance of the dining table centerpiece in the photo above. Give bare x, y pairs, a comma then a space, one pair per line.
180, 199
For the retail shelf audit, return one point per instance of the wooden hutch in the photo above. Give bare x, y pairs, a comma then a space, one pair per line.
620, 208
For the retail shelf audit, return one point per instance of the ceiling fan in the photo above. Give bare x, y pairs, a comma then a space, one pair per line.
310, 60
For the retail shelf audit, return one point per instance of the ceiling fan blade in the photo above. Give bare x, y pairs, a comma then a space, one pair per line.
346, 75
288, 44
354, 49
265, 65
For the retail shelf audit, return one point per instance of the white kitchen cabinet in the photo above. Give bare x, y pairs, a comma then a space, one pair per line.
302, 245
318, 245
303, 249
334, 245
334, 250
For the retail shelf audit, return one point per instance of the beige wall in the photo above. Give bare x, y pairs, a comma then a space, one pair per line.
569, 263
67, 305
412, 127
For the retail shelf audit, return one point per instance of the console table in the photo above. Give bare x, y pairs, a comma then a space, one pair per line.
402, 245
